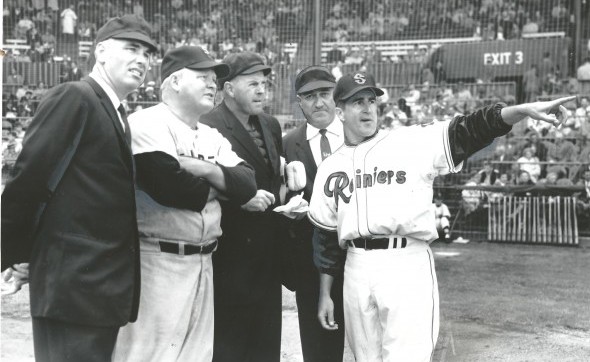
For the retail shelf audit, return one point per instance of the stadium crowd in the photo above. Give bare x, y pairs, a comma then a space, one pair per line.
263, 26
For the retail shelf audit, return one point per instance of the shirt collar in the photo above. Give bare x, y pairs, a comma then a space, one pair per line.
334, 128
108, 90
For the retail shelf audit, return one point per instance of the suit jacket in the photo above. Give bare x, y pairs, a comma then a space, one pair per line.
300, 232
247, 261
84, 254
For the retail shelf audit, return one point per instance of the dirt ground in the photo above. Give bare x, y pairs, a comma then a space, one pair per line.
499, 302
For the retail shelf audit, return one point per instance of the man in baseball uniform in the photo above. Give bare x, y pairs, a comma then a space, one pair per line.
376, 193
311, 143
183, 168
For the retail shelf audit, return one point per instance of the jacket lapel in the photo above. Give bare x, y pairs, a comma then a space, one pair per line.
112, 112
270, 146
303, 151
239, 133
304, 154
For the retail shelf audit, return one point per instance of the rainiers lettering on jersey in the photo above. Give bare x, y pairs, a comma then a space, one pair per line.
338, 184
359, 189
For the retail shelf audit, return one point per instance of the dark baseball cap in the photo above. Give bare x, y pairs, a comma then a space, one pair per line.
191, 57
350, 84
127, 27
244, 63
312, 78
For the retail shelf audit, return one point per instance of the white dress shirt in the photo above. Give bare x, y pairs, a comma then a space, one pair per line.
335, 135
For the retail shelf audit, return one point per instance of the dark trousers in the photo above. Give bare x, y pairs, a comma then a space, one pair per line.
318, 344
249, 332
56, 341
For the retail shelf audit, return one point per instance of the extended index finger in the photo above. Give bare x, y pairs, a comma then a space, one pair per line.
559, 101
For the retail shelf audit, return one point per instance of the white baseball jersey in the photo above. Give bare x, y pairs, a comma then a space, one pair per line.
158, 129
383, 186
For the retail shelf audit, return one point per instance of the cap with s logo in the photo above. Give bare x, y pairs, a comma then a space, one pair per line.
350, 84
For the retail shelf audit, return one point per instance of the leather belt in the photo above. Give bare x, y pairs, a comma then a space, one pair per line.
380, 243
187, 249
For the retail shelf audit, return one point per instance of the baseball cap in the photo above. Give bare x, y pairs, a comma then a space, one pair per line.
350, 84
127, 27
244, 63
191, 57
312, 78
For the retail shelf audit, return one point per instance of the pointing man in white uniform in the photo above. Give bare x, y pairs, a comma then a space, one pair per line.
376, 193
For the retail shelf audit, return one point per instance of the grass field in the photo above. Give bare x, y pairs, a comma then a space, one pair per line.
499, 302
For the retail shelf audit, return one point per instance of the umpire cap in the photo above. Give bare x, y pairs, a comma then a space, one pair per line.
191, 57
127, 27
312, 78
244, 63
350, 84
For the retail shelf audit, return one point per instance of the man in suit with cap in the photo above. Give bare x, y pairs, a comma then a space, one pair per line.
311, 143
82, 250
182, 169
246, 265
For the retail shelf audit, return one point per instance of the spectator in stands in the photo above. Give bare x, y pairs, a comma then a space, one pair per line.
530, 163
577, 171
464, 99
583, 199
74, 73
382, 100
427, 76
68, 23
536, 144
523, 179
354, 56
6, 129
532, 84
337, 70
402, 105
40, 91
150, 93
440, 74
488, 175
442, 217
412, 96
561, 150
503, 180
530, 27
373, 55
14, 78
23, 26
583, 72
438, 107
48, 40
549, 180
334, 55
471, 198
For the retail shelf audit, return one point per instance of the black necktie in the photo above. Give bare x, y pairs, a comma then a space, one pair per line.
325, 145
127, 129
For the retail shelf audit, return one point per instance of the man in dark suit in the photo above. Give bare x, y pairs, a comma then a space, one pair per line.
310, 143
246, 266
83, 252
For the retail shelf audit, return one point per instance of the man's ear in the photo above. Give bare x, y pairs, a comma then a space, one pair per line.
175, 82
339, 113
228, 87
100, 52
